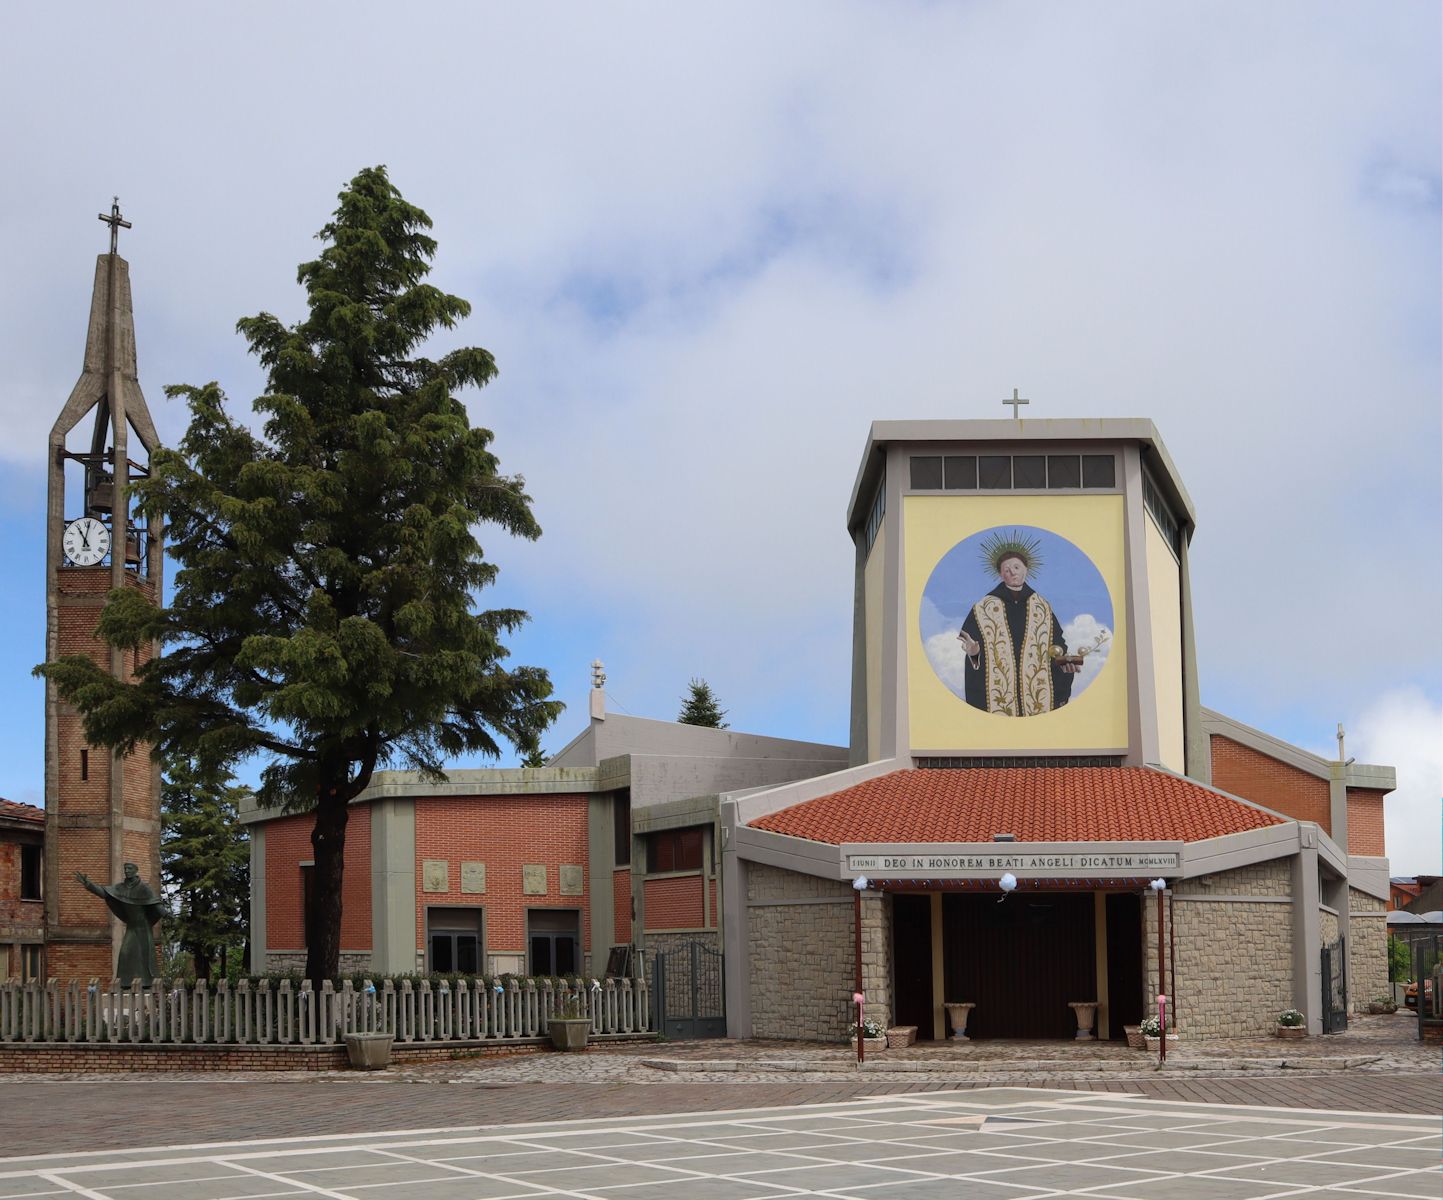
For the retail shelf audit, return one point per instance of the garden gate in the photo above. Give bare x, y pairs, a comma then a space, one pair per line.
688, 992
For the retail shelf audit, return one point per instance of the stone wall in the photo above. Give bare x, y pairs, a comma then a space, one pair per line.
1234, 957
802, 954
294, 961
877, 956
1327, 927
1367, 949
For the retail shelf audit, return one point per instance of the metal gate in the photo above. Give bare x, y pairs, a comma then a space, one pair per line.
1335, 987
688, 992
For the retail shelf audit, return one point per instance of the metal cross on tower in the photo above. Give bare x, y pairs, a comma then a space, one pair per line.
1016, 403
115, 221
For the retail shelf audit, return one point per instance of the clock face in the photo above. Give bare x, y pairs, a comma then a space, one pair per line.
86, 541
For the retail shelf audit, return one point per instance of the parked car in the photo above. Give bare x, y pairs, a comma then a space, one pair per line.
1410, 994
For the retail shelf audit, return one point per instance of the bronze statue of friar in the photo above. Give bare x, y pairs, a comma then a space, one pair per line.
138, 909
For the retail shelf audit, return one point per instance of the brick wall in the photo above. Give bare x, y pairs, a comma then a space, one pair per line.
506, 833
675, 902
1367, 949
621, 903
1254, 776
1365, 821
801, 956
288, 844
1234, 959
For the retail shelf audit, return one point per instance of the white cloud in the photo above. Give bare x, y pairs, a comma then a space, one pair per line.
1401, 729
945, 654
1086, 630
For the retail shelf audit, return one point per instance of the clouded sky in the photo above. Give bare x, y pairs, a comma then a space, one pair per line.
709, 246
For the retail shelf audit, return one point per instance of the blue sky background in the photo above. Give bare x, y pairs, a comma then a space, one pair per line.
709, 245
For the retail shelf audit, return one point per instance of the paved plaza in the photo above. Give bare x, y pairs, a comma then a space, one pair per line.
981, 1144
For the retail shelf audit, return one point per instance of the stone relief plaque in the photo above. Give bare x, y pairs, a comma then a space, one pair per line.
473, 877
533, 879
435, 875
572, 881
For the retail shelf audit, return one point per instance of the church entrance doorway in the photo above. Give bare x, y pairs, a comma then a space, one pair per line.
1124, 962
1020, 959
912, 963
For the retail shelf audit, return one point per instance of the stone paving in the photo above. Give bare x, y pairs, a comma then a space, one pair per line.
983, 1144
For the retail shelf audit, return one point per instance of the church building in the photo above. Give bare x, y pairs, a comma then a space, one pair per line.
1028, 755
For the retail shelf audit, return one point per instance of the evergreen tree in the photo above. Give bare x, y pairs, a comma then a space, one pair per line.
322, 614
699, 707
205, 863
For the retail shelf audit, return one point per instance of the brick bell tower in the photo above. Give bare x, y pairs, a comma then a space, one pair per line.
102, 809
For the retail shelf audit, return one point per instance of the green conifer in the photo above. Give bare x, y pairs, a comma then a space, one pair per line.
699, 707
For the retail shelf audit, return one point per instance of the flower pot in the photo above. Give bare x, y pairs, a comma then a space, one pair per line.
369, 1051
871, 1044
957, 1013
1290, 1031
569, 1033
899, 1037
1134, 1037
1086, 1013
1154, 1044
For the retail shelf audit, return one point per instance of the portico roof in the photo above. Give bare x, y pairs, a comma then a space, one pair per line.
1034, 804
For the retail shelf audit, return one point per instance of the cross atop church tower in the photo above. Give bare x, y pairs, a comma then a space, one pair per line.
1016, 403
116, 223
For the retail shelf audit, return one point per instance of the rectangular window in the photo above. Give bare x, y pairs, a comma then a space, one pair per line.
1064, 471
553, 942
1029, 471
994, 471
84, 764
673, 850
959, 472
308, 896
1099, 471
30, 873
621, 827
453, 940
32, 962
926, 473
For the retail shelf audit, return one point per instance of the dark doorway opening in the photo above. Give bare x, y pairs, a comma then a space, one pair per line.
912, 962
1020, 960
1124, 963
553, 941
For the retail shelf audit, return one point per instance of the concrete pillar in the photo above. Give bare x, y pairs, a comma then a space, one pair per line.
257, 964
600, 876
734, 936
1307, 933
393, 887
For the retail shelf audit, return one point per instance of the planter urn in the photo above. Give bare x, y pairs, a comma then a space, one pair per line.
957, 1014
369, 1051
1086, 1013
569, 1033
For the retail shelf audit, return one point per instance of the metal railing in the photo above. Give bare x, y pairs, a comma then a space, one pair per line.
283, 1013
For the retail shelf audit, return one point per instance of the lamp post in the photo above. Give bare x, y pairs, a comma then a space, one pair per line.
859, 885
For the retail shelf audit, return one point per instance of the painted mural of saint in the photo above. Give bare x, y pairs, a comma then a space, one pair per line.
1017, 660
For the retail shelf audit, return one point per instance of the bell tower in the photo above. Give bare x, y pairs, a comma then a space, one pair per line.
102, 809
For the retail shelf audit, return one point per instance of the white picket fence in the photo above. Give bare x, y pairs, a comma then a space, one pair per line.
267, 1013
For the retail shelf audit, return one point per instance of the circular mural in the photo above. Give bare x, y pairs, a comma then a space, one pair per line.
1016, 620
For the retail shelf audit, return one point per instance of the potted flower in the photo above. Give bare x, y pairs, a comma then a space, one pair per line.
1291, 1024
570, 1025
1151, 1030
1382, 1004
874, 1037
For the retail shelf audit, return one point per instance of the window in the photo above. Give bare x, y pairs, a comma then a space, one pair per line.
1161, 514
1064, 471
879, 510
32, 962
308, 896
926, 472
84, 764
994, 471
621, 822
673, 850
453, 940
30, 872
553, 945
1029, 471
959, 472
1099, 471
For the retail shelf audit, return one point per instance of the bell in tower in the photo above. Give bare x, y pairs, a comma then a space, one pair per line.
102, 809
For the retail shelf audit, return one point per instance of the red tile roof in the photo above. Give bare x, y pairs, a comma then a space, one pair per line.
1038, 804
21, 812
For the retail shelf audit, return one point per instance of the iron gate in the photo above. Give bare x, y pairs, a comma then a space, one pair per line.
688, 993
1335, 987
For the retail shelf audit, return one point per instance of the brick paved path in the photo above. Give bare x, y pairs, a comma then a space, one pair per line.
44, 1117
